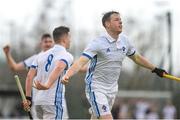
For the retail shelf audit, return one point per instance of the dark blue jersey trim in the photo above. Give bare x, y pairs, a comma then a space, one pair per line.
88, 56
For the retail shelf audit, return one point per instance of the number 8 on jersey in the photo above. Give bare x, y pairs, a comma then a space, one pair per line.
49, 61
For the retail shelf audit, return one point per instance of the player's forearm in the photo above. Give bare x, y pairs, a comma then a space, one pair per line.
12, 63
76, 66
142, 61
53, 77
29, 81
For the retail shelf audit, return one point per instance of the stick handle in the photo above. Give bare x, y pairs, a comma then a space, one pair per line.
171, 77
22, 93
20, 87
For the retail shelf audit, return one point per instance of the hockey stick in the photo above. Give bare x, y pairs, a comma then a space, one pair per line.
22, 93
171, 77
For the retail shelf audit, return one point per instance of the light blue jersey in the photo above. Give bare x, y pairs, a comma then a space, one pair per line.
45, 63
51, 103
106, 57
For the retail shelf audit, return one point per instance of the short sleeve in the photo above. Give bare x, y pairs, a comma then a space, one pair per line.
91, 50
34, 63
131, 49
28, 62
67, 59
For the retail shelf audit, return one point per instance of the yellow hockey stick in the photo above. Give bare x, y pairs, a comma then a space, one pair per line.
171, 77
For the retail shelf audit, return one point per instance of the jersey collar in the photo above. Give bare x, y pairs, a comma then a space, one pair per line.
59, 46
110, 39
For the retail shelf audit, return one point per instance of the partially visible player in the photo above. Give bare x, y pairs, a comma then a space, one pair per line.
106, 54
51, 104
46, 43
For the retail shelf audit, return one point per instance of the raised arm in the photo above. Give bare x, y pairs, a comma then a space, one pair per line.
142, 61
11, 62
75, 68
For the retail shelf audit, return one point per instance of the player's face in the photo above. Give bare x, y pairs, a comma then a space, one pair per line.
115, 23
47, 43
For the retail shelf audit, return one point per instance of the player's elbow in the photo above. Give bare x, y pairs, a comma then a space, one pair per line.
14, 69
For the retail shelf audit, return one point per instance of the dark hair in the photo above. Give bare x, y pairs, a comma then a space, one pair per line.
106, 17
45, 35
59, 32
